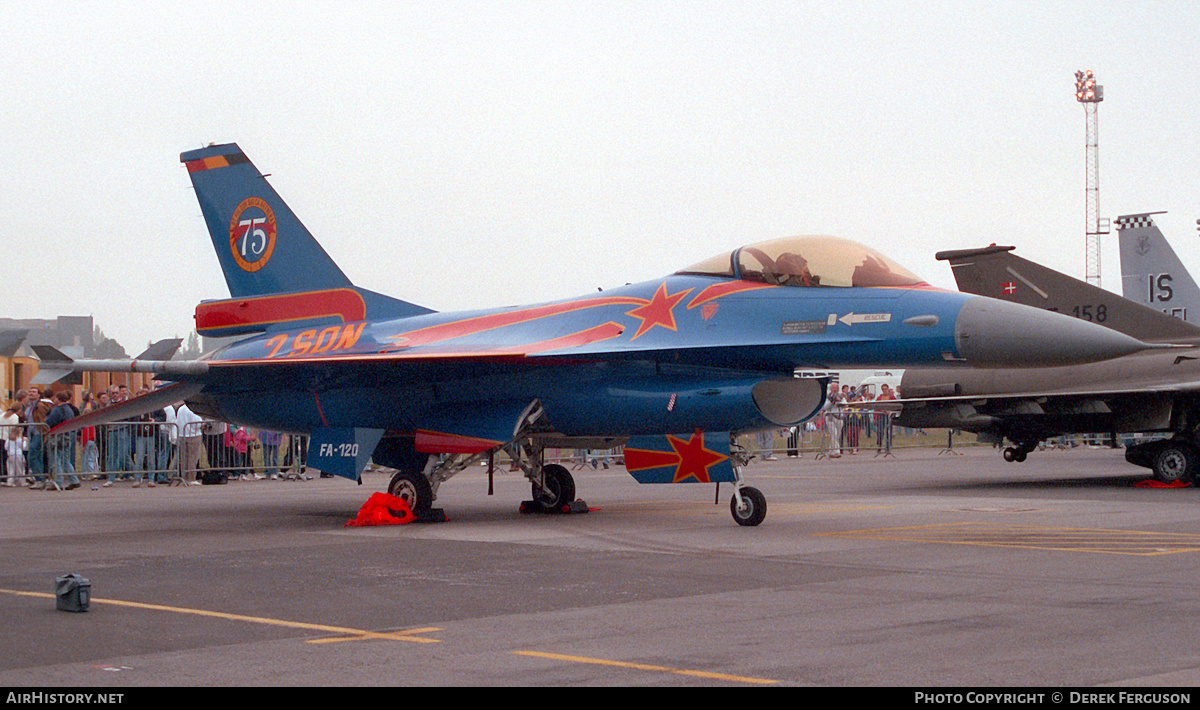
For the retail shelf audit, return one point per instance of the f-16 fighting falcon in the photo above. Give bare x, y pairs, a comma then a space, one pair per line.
672, 369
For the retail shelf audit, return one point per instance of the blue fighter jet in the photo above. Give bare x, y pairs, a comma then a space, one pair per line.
672, 369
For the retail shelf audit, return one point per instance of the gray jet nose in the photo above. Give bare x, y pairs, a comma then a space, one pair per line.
1003, 334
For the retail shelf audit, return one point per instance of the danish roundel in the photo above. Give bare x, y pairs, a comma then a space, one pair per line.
252, 234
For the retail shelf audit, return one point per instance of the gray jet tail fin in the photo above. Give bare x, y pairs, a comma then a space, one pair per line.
1151, 273
996, 272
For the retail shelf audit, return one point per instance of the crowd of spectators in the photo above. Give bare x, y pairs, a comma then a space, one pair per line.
164, 445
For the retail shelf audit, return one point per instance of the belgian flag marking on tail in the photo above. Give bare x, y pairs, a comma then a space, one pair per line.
216, 161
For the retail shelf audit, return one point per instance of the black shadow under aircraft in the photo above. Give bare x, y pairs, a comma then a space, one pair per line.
671, 369
1152, 391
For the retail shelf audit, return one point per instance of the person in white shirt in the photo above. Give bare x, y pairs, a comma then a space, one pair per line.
188, 428
12, 438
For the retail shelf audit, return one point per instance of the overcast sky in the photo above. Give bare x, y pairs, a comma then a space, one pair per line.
476, 154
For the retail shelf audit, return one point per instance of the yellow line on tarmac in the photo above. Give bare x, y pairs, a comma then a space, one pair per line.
645, 667
347, 634
1035, 537
344, 634
405, 635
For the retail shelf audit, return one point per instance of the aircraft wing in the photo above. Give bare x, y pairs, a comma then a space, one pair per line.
1096, 390
156, 400
1099, 406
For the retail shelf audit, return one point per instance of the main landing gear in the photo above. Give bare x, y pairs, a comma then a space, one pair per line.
414, 488
1022, 448
552, 488
555, 492
1016, 453
1175, 460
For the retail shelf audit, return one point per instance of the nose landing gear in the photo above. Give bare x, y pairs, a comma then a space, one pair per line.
748, 506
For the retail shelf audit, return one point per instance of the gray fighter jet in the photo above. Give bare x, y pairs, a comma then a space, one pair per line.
1151, 273
1153, 391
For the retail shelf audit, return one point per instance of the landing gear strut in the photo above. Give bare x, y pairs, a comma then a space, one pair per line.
748, 505
551, 486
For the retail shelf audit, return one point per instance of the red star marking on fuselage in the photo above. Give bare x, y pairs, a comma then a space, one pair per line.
660, 311
694, 458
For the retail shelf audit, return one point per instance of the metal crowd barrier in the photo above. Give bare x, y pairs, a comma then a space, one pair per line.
25, 457
830, 435
150, 453
213, 452
159, 453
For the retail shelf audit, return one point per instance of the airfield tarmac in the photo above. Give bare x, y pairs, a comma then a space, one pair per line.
923, 569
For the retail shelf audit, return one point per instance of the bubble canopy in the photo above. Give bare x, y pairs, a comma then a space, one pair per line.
808, 262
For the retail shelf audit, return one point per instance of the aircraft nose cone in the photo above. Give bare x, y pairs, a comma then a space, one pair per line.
1002, 334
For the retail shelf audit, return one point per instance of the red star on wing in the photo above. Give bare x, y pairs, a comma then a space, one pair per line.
659, 311
694, 458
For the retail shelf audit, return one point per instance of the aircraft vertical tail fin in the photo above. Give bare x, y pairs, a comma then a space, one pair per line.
996, 272
274, 267
1151, 273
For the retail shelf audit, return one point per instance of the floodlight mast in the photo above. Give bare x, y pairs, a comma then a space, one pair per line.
1090, 94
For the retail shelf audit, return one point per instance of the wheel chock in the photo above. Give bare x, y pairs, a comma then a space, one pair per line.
434, 515
575, 506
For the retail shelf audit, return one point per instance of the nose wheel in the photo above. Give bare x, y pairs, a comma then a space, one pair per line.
748, 506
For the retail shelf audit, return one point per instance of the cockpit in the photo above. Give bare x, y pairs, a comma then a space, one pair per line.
808, 262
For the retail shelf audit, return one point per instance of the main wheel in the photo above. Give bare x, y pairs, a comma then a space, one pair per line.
1016, 453
1175, 462
753, 509
560, 488
414, 488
